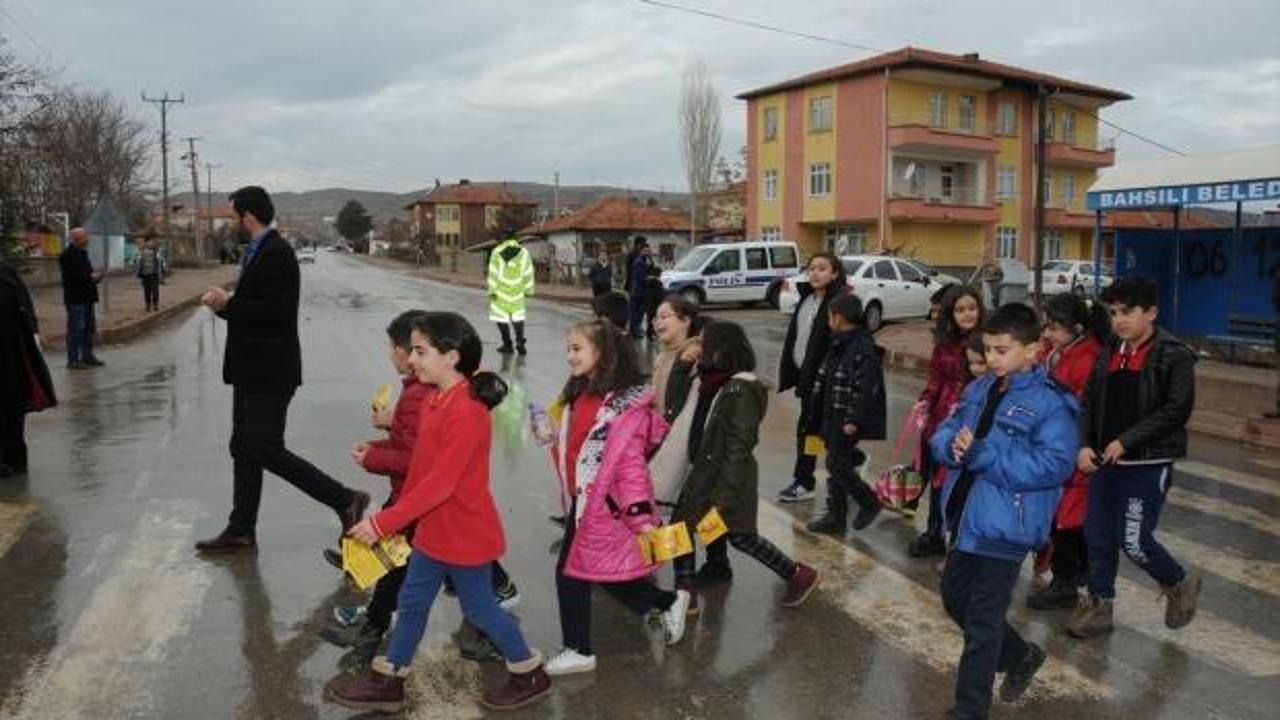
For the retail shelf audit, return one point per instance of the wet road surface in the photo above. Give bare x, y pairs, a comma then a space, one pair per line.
107, 612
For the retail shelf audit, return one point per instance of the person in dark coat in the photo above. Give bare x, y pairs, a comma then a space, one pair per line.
638, 288
24, 378
601, 275
80, 295
263, 365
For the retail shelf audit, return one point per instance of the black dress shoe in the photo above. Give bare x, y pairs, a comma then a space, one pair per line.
94, 362
228, 543
333, 557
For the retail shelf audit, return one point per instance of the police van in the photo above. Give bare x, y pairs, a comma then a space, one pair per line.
746, 272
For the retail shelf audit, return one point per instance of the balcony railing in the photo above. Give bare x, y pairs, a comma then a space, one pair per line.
950, 123
933, 193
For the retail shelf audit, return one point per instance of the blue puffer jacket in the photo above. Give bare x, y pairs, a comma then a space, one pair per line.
1018, 468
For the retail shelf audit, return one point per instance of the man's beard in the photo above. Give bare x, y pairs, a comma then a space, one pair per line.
242, 235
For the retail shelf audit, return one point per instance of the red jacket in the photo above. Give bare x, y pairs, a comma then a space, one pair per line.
1072, 368
447, 490
946, 382
391, 456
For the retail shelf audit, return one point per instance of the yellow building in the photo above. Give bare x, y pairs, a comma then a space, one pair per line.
926, 155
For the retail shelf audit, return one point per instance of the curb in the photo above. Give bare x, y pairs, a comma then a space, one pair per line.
131, 330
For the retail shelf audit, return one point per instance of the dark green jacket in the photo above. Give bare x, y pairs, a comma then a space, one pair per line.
724, 473
679, 382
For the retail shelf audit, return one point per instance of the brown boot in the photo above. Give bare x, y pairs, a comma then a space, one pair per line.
381, 688
526, 684
1092, 618
1181, 602
227, 543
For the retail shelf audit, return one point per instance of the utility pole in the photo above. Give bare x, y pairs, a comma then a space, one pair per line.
1037, 249
194, 159
164, 102
555, 202
208, 189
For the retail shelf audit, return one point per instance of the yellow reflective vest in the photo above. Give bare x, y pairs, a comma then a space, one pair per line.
510, 281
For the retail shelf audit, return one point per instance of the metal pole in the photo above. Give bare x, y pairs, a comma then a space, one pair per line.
1239, 237
1037, 249
1097, 257
164, 102
1177, 265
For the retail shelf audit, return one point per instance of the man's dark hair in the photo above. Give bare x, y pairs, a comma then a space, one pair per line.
253, 200
1015, 320
401, 328
847, 306
612, 306
726, 349
1135, 291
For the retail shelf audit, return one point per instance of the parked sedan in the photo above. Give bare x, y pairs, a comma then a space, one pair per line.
890, 288
1059, 276
306, 255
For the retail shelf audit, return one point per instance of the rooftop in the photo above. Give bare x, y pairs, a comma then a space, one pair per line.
617, 214
469, 193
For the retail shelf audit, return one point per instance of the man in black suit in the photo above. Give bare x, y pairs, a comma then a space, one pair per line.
263, 365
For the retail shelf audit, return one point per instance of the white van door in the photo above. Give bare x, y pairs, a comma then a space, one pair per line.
725, 281
758, 275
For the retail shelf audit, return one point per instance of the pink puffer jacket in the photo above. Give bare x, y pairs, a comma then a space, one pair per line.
604, 545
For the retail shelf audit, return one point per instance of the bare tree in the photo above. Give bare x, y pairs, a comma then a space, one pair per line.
700, 132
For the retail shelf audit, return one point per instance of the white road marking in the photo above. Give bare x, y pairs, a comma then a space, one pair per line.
14, 519
1259, 575
1224, 509
1255, 483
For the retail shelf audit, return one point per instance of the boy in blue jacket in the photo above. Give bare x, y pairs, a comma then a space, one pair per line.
1010, 445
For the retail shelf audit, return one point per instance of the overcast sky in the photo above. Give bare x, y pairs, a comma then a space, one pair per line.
390, 94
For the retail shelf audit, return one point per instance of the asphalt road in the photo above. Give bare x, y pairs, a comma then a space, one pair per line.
107, 612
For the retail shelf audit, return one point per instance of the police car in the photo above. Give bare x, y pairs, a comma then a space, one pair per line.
746, 272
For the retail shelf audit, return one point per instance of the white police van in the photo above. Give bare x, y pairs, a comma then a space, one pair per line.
733, 272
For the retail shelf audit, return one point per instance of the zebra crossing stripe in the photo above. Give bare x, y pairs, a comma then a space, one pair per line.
1243, 514
14, 519
1266, 486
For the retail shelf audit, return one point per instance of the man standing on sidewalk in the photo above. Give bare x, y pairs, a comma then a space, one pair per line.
80, 294
263, 365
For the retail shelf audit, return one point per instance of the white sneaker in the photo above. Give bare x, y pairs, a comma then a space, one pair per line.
569, 662
673, 618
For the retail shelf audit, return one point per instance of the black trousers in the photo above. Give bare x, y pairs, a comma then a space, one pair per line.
257, 443
638, 314
13, 442
151, 290
805, 464
976, 592
843, 460
598, 289
928, 468
1070, 558
505, 331
640, 596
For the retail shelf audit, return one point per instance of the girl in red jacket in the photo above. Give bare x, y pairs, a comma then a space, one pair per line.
1072, 335
960, 315
607, 433
459, 534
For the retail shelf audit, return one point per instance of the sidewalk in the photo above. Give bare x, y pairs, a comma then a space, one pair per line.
126, 317
542, 290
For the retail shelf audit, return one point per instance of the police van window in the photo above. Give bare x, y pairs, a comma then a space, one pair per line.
884, 270
756, 259
726, 261
783, 257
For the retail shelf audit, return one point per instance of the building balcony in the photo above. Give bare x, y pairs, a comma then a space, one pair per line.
1063, 218
921, 134
1070, 155
962, 206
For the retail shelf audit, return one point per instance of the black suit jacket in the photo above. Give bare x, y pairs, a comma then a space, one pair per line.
78, 285
263, 353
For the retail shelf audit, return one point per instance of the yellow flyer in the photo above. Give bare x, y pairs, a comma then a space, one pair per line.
813, 445
711, 527
381, 398
366, 564
665, 543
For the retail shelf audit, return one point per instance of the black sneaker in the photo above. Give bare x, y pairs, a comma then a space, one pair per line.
830, 524
927, 545
94, 362
346, 637
333, 557
557, 520
866, 515
709, 574
1017, 680
1059, 595
506, 349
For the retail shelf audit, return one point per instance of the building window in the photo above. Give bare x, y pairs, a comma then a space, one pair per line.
1048, 125
947, 181
1008, 118
491, 216
968, 112
770, 184
846, 240
1052, 244
819, 179
1068, 184
938, 110
1069, 127
1048, 185
771, 234
820, 114
1006, 242
771, 123
1006, 182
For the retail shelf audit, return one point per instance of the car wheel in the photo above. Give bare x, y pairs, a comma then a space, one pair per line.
692, 294
873, 316
771, 297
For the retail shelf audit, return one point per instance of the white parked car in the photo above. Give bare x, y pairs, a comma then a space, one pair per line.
1059, 276
890, 288
733, 272
306, 255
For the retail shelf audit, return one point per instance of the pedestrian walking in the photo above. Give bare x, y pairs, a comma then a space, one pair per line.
730, 404
25, 386
960, 316
510, 283
601, 275
608, 428
1073, 345
848, 406
638, 288
148, 265
1136, 406
1007, 448
458, 533
80, 295
803, 350
263, 365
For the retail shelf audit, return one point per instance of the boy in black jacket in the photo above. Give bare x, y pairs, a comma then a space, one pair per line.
1137, 403
848, 404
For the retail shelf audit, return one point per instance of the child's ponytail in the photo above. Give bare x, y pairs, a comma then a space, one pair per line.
489, 388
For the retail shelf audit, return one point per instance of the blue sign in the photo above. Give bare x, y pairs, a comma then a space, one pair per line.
1172, 195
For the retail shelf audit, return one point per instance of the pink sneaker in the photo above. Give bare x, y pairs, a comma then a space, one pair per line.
800, 585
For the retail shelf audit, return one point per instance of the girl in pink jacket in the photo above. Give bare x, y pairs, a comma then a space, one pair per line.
607, 433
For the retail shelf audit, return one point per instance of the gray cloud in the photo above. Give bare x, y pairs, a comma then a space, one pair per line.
389, 94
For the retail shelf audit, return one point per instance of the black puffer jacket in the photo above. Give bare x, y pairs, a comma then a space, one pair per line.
1166, 395
801, 378
849, 388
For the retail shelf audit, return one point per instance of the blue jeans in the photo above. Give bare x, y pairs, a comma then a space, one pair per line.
81, 326
474, 586
1124, 507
